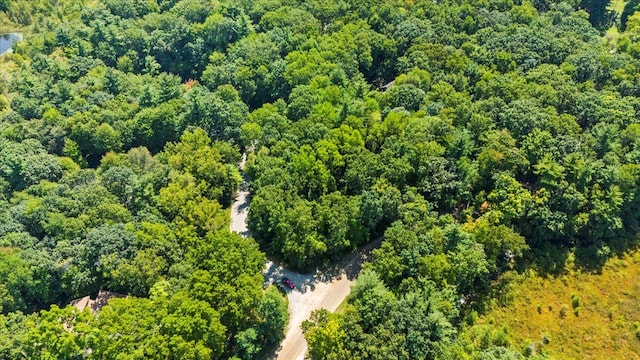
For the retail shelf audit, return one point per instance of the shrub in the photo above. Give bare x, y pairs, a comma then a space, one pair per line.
563, 311
575, 301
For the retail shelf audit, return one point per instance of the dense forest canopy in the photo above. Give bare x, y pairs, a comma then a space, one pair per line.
474, 137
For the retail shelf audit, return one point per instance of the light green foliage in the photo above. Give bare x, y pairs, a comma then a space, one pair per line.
247, 341
12, 330
58, 333
274, 316
219, 113
325, 336
194, 155
228, 276
379, 324
16, 278
499, 241
179, 328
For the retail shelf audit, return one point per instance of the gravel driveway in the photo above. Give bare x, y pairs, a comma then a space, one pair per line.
325, 288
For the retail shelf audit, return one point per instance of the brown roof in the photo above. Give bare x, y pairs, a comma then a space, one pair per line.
95, 304
81, 303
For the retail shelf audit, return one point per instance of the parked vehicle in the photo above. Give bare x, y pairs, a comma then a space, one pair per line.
290, 284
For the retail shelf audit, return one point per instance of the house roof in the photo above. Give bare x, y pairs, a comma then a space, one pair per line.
95, 304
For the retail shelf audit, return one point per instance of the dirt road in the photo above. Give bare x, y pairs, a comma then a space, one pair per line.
312, 292
240, 205
325, 288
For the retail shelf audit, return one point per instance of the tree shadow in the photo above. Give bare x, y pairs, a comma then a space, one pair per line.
549, 260
593, 258
552, 259
244, 205
348, 265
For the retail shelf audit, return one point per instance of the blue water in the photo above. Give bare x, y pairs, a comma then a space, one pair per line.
6, 40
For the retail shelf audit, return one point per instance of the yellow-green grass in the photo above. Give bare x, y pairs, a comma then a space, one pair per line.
227, 216
612, 34
617, 6
343, 306
574, 316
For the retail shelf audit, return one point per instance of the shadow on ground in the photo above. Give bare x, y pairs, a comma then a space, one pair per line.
350, 266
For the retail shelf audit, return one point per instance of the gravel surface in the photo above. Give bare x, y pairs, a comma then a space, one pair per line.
326, 295
240, 205
325, 288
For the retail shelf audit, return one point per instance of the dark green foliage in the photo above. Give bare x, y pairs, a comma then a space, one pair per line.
598, 12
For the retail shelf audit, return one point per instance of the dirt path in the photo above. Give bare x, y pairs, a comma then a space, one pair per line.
240, 205
326, 295
325, 288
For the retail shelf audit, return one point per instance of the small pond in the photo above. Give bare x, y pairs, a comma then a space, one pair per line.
6, 40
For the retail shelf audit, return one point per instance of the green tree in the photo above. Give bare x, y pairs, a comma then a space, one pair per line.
58, 334
229, 277
630, 8
196, 156
274, 317
325, 336
17, 281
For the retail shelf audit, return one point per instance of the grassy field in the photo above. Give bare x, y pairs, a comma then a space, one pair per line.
573, 316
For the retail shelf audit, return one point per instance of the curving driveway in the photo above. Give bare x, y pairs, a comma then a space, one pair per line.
325, 288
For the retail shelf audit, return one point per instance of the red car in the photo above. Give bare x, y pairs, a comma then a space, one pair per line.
290, 284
